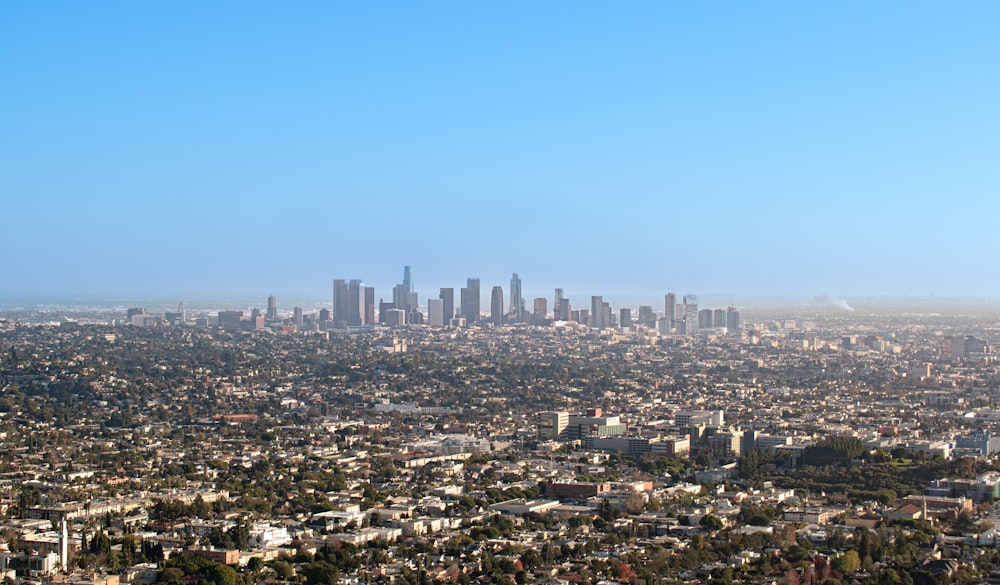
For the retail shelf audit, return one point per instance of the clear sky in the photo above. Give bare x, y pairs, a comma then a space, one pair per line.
785, 148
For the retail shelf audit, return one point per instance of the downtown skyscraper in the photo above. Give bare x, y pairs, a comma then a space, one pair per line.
352, 304
447, 296
691, 314
403, 295
272, 309
496, 306
670, 307
597, 312
516, 300
470, 301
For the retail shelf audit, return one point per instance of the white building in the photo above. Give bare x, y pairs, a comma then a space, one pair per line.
264, 535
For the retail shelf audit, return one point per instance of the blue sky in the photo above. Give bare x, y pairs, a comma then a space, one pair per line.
767, 148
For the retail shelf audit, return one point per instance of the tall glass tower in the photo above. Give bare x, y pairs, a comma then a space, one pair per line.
496, 305
516, 300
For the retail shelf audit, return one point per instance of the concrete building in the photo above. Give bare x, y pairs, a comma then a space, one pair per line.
516, 299
540, 310
576, 490
435, 312
447, 297
395, 317
593, 422
552, 425
231, 320
520, 507
272, 309
470, 301
496, 306
216, 555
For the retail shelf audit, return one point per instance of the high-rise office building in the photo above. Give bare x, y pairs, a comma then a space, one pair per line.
540, 310
369, 305
435, 313
496, 305
565, 311
646, 316
597, 312
298, 317
690, 314
464, 303
411, 295
516, 300
383, 311
355, 303
719, 318
557, 314
272, 309
670, 306
705, 318
732, 321
340, 303
447, 296
395, 317
231, 320
625, 318
403, 295
665, 326
398, 296
470, 301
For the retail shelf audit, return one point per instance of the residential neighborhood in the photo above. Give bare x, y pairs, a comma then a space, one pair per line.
835, 448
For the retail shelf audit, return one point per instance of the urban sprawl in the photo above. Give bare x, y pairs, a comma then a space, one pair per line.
402, 442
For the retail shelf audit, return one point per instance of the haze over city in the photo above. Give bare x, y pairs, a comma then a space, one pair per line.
788, 150
551, 293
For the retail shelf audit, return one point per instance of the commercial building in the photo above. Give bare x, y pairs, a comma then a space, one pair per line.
552, 425
231, 320
670, 307
447, 296
435, 312
625, 318
540, 310
272, 309
593, 422
576, 490
516, 299
470, 301
496, 305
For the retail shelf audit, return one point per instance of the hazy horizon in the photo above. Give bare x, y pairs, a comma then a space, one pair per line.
194, 303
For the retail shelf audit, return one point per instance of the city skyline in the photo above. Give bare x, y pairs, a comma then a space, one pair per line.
789, 150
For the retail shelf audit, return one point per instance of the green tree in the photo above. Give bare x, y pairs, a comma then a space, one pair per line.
711, 523
220, 574
171, 575
283, 569
847, 563
321, 573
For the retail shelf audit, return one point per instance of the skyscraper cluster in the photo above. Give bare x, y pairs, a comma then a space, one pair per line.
354, 306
